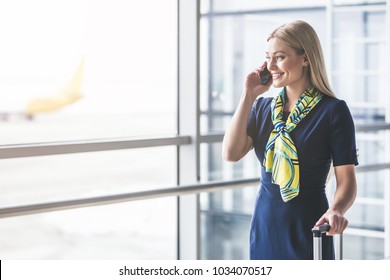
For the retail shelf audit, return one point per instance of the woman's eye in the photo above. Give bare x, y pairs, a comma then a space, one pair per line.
279, 58
268, 58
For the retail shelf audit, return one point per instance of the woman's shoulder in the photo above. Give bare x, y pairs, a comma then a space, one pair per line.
333, 103
262, 106
334, 106
263, 102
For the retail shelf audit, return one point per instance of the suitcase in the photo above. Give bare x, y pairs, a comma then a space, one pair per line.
317, 242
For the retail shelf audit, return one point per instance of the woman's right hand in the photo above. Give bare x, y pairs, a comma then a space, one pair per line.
253, 85
236, 142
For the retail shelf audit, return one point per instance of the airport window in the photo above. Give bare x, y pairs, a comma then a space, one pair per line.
111, 124
87, 69
100, 72
232, 43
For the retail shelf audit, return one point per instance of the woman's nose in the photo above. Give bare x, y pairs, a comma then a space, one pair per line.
271, 64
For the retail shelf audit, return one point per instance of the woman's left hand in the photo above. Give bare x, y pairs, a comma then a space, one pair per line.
337, 222
344, 197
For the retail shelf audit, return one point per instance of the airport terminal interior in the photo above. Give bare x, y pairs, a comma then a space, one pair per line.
113, 112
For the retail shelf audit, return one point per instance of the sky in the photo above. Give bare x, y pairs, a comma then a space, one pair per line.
129, 49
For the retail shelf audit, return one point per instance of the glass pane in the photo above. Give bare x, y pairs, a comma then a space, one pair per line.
360, 72
136, 230
54, 178
225, 222
372, 184
351, 58
213, 167
363, 248
230, 47
86, 77
358, 65
371, 147
366, 216
357, 90
355, 24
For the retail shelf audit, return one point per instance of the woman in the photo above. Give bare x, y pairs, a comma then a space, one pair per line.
296, 136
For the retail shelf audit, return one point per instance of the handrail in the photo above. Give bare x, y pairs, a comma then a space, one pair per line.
372, 127
92, 145
126, 197
150, 194
373, 167
96, 145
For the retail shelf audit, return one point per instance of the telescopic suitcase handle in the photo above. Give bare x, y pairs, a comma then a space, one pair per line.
317, 242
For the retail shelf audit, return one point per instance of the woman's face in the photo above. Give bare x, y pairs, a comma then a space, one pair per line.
285, 65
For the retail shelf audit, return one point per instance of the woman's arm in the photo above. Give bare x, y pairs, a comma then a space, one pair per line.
236, 143
343, 199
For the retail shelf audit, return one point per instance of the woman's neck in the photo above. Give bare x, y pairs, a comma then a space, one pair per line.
293, 93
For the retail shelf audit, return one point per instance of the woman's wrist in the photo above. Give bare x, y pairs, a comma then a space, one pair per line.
335, 211
246, 97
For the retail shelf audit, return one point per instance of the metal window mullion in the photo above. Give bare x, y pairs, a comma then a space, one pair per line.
188, 124
377, 7
329, 38
387, 139
265, 11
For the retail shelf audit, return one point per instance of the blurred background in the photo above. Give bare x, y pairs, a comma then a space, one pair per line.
109, 71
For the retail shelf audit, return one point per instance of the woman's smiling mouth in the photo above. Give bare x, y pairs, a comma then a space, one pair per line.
276, 76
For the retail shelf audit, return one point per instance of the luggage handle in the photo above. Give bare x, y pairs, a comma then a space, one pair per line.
317, 245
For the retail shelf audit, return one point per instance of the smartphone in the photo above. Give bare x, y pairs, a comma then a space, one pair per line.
264, 76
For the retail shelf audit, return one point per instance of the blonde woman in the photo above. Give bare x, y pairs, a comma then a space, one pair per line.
296, 136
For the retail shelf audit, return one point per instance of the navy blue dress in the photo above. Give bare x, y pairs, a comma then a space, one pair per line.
282, 230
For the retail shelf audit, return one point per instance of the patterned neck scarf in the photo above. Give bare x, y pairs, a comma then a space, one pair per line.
281, 156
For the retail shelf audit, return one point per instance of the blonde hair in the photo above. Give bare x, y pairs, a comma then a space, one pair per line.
300, 36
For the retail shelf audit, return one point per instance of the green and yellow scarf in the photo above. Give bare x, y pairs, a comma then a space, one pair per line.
281, 156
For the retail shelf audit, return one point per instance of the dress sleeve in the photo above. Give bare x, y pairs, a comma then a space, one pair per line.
251, 128
342, 136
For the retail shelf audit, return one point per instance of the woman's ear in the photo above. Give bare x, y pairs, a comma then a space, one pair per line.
305, 61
